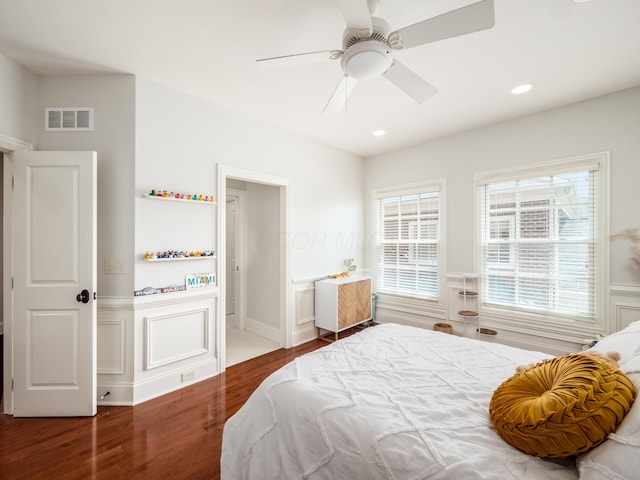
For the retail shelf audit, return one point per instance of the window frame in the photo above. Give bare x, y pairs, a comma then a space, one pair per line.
432, 186
554, 322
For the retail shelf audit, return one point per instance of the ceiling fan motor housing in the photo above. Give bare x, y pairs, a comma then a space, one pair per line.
367, 57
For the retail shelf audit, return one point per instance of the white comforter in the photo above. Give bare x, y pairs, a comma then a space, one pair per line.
391, 402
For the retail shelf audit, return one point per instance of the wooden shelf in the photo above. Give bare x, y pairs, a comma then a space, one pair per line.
467, 293
180, 259
468, 313
169, 296
183, 200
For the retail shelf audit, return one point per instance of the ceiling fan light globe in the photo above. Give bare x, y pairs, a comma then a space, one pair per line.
366, 60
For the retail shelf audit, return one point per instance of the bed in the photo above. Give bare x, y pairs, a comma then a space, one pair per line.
390, 402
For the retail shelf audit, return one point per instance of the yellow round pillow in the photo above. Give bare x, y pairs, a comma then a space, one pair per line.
562, 406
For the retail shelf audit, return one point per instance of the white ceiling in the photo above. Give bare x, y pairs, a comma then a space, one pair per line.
568, 50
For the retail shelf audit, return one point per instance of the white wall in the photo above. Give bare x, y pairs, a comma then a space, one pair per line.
17, 101
112, 97
180, 139
263, 254
608, 123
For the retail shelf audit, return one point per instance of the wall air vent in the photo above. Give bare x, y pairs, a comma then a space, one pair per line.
69, 119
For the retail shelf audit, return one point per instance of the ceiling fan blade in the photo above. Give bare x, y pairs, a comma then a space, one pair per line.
409, 82
298, 59
472, 18
339, 96
356, 15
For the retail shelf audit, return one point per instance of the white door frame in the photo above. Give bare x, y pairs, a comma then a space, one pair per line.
8, 145
241, 255
225, 172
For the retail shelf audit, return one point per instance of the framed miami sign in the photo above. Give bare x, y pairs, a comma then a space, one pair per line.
200, 280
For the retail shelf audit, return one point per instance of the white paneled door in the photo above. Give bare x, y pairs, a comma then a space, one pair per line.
54, 284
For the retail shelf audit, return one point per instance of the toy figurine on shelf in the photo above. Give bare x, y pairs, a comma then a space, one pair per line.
172, 288
335, 275
181, 196
146, 291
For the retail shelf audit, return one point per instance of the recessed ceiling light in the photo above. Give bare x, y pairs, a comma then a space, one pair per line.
379, 133
581, 1
521, 89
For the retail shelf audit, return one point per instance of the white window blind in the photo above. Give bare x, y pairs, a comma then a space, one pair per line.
539, 242
408, 243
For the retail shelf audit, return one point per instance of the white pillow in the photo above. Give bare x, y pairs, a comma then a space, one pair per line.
618, 457
627, 343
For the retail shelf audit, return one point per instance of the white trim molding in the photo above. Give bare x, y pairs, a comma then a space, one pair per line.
9, 144
624, 304
304, 313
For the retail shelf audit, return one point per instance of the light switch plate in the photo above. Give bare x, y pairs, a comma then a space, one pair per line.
114, 265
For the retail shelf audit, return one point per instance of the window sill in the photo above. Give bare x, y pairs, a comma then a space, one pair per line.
410, 304
542, 325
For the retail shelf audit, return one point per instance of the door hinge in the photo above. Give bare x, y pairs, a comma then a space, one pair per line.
11, 283
13, 181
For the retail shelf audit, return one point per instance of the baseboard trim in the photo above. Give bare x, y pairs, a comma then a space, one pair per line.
118, 395
171, 381
264, 330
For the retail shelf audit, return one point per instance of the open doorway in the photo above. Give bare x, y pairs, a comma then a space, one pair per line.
254, 264
235, 249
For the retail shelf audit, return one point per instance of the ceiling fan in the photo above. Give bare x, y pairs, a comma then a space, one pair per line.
368, 43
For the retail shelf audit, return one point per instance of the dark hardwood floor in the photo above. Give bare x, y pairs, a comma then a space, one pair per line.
176, 436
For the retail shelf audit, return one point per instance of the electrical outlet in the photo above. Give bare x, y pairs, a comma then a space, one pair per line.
114, 265
188, 376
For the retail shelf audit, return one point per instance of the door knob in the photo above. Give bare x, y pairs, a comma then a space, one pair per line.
83, 296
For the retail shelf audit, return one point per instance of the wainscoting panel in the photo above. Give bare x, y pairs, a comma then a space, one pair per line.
304, 328
154, 344
625, 305
175, 341
111, 347
115, 336
172, 338
305, 305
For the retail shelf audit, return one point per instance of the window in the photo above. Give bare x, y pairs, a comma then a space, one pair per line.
499, 250
543, 238
408, 244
